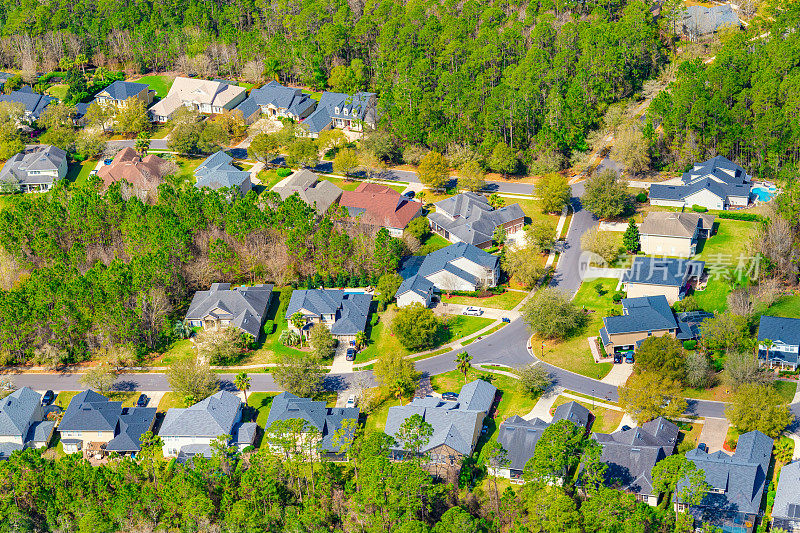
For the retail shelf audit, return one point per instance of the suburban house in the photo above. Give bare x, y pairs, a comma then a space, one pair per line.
4, 77
320, 194
714, 184
674, 233
120, 91
22, 422
344, 313
242, 307
205, 96
342, 111
189, 431
665, 276
217, 172
94, 424
468, 218
415, 289
700, 22
632, 453
458, 267
786, 509
779, 341
35, 170
249, 110
643, 317
79, 118
144, 173
381, 206
456, 425
275, 100
519, 436
322, 422
737, 483
33, 103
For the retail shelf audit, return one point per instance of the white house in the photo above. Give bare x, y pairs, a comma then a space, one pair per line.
415, 289
187, 432
779, 341
714, 184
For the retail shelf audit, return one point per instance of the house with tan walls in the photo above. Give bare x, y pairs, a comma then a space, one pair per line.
674, 234
204, 96
665, 276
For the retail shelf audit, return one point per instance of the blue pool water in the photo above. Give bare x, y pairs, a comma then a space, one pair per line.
763, 194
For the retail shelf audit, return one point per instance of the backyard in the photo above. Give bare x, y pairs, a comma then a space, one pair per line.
350, 185
159, 83
788, 306
431, 243
78, 173
186, 166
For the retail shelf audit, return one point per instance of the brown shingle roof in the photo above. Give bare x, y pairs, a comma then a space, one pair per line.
144, 173
380, 205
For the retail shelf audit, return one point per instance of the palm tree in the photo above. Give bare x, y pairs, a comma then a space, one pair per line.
496, 201
142, 143
361, 339
242, 382
463, 359
767, 343
298, 320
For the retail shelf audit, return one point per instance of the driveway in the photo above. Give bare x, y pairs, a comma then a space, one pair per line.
713, 433
619, 374
445, 308
340, 363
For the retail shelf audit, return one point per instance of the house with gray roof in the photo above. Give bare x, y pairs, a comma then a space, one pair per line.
33, 103
320, 194
737, 483
242, 307
415, 289
321, 421
91, 421
779, 341
700, 22
217, 172
22, 422
343, 313
342, 111
249, 110
662, 276
717, 183
118, 93
458, 267
786, 509
275, 100
519, 436
187, 432
4, 77
456, 425
468, 218
670, 233
632, 453
643, 317
35, 170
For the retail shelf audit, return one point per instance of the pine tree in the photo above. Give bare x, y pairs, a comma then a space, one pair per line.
630, 239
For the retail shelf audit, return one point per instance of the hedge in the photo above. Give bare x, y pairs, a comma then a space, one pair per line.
641, 197
690, 345
284, 172
747, 217
699, 208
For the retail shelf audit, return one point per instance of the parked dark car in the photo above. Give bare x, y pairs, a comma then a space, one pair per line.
450, 396
351, 354
629, 357
409, 194
142, 401
617, 358
625, 428
48, 397
108, 161
506, 319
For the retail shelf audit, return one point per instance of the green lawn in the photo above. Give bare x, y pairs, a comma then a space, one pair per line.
573, 353
786, 389
315, 95
507, 300
170, 400
376, 419
58, 90
350, 185
64, 397
605, 420
432, 242
78, 173
261, 401
187, 166
159, 83
160, 131
269, 178
533, 213
788, 306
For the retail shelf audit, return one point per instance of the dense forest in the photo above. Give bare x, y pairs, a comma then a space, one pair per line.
535, 75
263, 492
93, 272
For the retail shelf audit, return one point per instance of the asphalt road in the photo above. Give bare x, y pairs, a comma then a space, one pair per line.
568, 272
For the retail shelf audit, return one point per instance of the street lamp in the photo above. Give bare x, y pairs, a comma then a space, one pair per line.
592, 399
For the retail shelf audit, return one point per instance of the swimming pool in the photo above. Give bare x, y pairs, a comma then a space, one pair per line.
763, 194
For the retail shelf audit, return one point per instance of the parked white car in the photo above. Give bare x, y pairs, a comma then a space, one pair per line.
351, 401
473, 311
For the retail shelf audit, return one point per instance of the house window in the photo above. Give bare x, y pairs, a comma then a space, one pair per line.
336, 111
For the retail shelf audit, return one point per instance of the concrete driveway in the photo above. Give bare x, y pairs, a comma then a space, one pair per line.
445, 308
619, 374
713, 433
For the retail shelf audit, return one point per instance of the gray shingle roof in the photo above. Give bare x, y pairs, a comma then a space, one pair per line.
212, 417
416, 284
34, 103
778, 328
574, 412
718, 176
325, 420
477, 395
245, 306
454, 424
788, 493
739, 480
350, 309
217, 172
245, 433
295, 101
672, 224
469, 217
663, 271
646, 313
18, 411
90, 411
248, 107
46, 158
122, 90
631, 454
311, 190
443, 259
705, 20
133, 422
358, 107
40, 431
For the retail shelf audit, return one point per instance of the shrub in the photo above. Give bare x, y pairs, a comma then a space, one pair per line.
690, 345
375, 318
269, 327
685, 446
641, 197
699, 208
284, 172
618, 296
748, 217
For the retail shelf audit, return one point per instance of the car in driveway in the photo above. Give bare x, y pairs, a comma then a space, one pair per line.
351, 401
48, 397
351, 354
450, 396
506, 319
629, 357
473, 311
409, 194
617, 358
142, 401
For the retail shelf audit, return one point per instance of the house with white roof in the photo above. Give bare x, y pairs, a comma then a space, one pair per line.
204, 96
